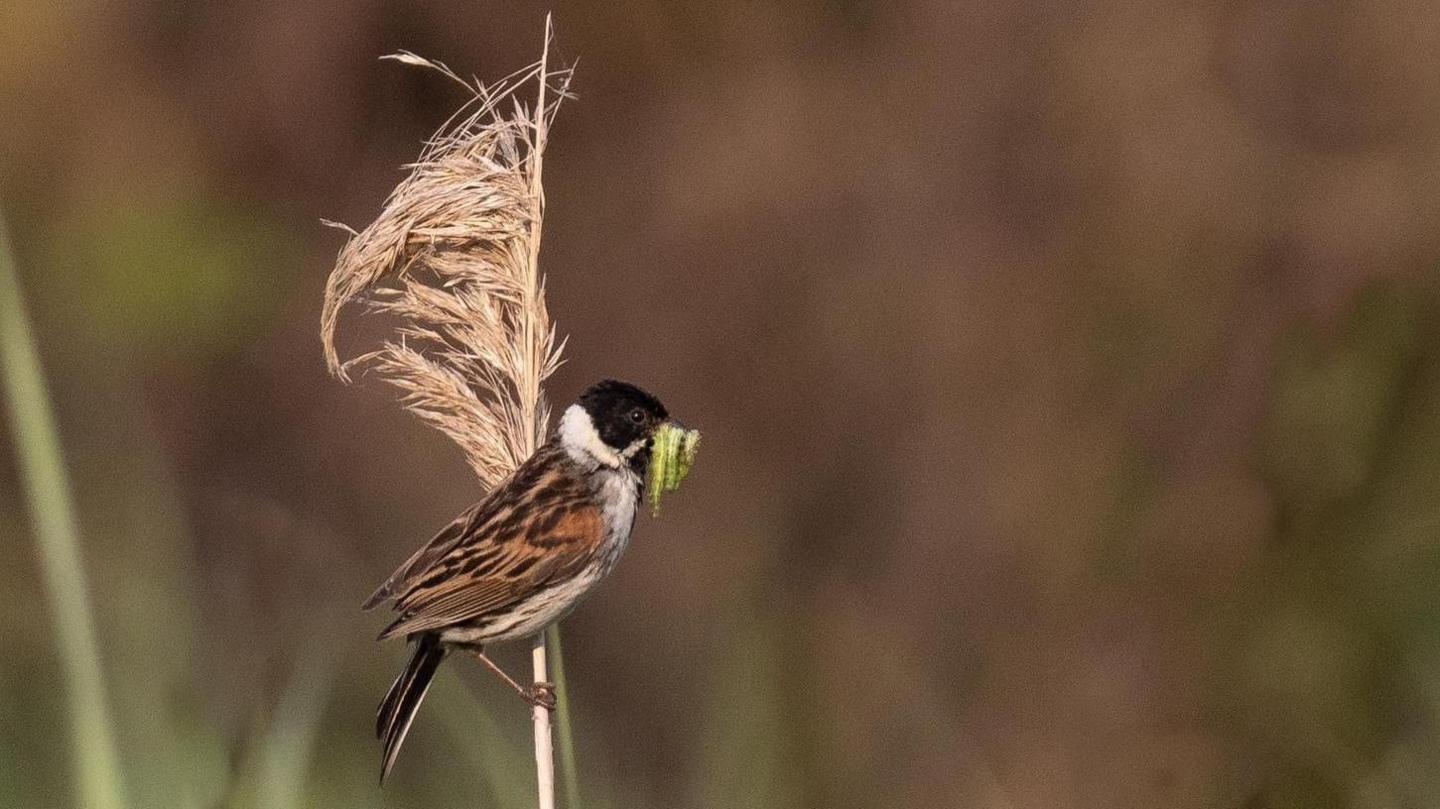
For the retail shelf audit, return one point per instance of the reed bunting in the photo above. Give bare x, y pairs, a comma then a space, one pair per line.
523, 557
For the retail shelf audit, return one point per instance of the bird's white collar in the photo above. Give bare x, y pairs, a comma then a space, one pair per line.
580, 438
584, 444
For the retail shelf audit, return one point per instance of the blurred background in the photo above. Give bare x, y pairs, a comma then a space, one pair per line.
1069, 374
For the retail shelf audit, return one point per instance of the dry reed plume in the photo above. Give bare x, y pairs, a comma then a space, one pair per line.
453, 255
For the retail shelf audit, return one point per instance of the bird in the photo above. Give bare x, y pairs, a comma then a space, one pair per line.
523, 556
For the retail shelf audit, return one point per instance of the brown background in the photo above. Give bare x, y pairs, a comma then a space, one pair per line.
1069, 376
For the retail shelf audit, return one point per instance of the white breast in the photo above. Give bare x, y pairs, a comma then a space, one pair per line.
618, 490
620, 494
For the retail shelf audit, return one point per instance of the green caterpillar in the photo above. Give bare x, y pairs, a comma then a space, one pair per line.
671, 456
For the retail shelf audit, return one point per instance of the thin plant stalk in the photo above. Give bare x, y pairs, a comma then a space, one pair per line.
544, 744
42, 470
563, 721
544, 741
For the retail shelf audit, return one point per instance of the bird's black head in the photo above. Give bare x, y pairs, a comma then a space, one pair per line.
623, 418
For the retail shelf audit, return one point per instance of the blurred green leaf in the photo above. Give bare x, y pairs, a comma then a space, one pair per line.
1333, 399
179, 279
97, 769
748, 759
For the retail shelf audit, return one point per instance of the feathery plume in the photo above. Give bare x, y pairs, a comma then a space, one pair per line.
453, 256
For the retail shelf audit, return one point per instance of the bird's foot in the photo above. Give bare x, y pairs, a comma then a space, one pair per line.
541, 695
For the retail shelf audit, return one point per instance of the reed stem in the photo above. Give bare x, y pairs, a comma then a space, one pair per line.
570, 776
47, 490
544, 746
544, 742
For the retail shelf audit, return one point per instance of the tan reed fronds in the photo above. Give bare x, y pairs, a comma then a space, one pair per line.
453, 256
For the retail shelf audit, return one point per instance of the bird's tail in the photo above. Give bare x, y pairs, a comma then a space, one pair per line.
403, 699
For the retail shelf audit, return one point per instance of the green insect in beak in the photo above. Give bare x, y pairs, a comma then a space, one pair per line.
671, 456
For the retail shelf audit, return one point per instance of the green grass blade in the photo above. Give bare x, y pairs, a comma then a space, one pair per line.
501, 763
42, 470
570, 776
288, 750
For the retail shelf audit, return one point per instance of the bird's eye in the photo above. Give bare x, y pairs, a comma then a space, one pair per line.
637, 416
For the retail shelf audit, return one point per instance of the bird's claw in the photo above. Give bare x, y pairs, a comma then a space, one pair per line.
541, 695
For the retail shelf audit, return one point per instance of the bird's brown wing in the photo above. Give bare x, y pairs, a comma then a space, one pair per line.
428, 553
497, 506
548, 531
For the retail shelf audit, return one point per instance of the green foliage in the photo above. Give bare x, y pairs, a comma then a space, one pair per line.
749, 757
1337, 625
1335, 398
97, 772
564, 721
180, 279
